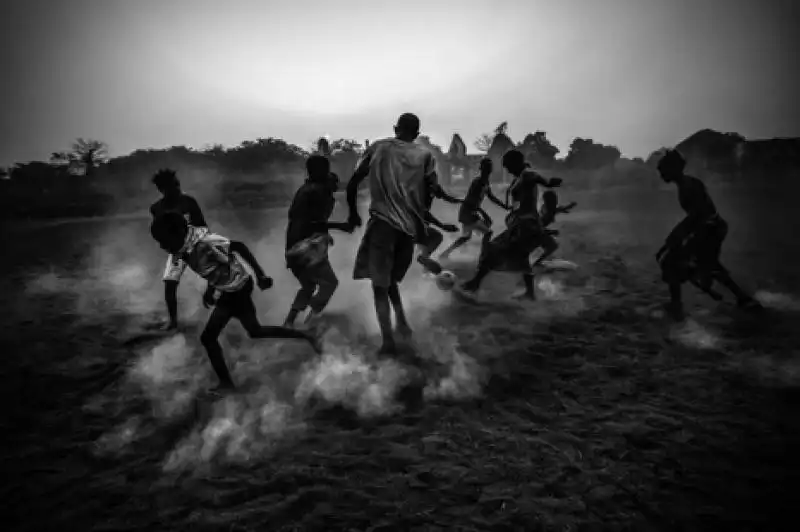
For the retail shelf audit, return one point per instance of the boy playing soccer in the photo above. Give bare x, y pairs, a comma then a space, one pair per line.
511, 249
174, 200
471, 216
402, 175
307, 239
214, 258
692, 249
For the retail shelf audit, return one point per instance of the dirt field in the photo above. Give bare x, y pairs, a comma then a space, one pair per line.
586, 410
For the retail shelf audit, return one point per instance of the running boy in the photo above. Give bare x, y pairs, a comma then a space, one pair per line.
693, 247
511, 249
174, 200
307, 239
471, 216
214, 258
402, 176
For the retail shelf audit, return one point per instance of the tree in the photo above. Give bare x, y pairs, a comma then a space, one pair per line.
86, 155
348, 145
587, 155
483, 142
538, 149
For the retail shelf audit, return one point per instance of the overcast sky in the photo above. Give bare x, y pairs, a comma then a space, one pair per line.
639, 74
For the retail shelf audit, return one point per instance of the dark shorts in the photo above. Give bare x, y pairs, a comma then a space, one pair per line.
238, 303
385, 254
511, 249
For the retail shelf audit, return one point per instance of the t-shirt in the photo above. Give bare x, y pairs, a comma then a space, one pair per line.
402, 176
183, 204
312, 205
209, 256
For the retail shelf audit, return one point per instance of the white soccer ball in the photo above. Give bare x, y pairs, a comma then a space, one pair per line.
446, 280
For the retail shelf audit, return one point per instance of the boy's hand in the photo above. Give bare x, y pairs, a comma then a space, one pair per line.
450, 228
556, 182
265, 283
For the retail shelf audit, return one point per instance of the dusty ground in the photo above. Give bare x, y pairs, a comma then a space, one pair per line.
586, 410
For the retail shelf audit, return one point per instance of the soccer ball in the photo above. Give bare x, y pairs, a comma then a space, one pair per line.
446, 280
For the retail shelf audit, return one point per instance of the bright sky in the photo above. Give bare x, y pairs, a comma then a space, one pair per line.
154, 73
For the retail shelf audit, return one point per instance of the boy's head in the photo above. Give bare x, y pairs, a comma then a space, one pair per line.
514, 162
550, 198
166, 181
407, 127
170, 230
671, 166
318, 168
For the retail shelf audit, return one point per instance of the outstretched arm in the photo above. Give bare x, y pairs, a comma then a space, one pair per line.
361, 172
440, 193
244, 252
553, 182
337, 226
566, 208
494, 199
433, 220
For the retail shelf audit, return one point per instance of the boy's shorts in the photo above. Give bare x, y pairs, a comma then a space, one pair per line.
511, 249
385, 254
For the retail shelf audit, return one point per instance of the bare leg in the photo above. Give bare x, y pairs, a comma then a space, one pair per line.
403, 327
743, 299
219, 318
303, 297
171, 299
549, 247
675, 306
249, 320
530, 293
384, 311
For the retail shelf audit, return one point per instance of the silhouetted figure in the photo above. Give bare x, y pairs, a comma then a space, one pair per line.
402, 178
307, 239
433, 238
174, 200
471, 216
547, 214
692, 249
214, 258
511, 249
